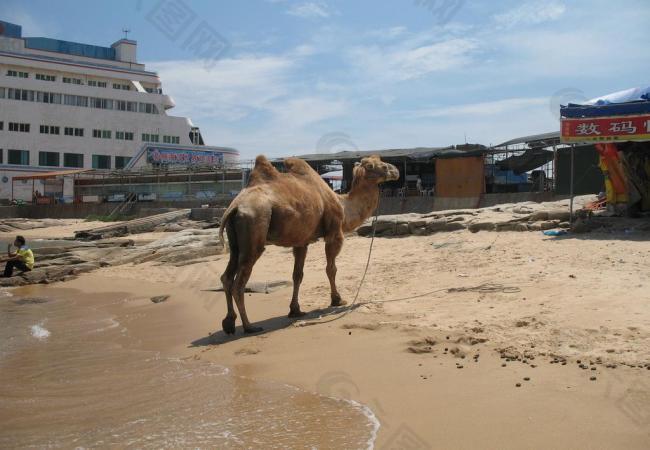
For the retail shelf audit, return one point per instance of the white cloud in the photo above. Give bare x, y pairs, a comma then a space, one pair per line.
400, 63
531, 13
309, 10
483, 108
298, 112
231, 90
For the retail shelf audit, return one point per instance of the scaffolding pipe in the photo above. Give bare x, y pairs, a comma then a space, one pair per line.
571, 191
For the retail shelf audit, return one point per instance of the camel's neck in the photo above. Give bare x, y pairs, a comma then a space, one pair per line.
359, 204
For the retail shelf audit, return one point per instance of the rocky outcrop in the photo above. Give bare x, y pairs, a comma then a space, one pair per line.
506, 218
60, 263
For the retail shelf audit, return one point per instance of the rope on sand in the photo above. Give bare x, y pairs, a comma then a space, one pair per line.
484, 288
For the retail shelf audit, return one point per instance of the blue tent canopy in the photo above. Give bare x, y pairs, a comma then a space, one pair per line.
629, 101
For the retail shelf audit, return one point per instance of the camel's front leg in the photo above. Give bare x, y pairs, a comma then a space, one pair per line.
333, 246
299, 254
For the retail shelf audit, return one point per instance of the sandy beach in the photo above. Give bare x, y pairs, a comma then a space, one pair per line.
457, 340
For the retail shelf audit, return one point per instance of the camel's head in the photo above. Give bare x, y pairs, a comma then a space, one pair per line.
372, 168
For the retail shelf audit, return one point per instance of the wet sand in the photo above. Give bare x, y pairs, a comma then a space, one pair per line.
562, 301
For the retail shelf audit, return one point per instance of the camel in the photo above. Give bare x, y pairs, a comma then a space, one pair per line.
293, 209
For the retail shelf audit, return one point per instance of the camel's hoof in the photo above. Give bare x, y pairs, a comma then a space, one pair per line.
338, 302
295, 313
251, 330
228, 325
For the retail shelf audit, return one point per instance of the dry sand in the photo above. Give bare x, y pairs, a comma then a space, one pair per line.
561, 299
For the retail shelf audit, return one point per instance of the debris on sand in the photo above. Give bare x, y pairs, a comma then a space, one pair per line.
159, 298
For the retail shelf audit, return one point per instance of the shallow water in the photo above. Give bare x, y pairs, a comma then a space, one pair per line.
69, 379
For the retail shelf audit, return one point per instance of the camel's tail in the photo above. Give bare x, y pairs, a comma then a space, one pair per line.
224, 222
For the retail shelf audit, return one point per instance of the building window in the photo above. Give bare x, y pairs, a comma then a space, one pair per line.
101, 103
19, 127
19, 157
44, 77
69, 131
20, 94
50, 159
48, 97
69, 80
121, 161
1, 157
148, 108
2, 125
124, 135
171, 139
73, 160
50, 129
124, 87
103, 134
14, 73
96, 83
101, 162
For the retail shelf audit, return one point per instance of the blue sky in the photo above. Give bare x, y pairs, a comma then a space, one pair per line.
328, 75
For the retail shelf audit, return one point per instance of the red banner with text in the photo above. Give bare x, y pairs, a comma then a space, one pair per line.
606, 129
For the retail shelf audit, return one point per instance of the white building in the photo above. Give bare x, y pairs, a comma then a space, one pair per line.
65, 105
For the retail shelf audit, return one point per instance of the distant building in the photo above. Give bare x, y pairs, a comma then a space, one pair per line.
70, 105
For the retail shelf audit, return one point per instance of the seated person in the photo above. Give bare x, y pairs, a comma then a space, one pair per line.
22, 259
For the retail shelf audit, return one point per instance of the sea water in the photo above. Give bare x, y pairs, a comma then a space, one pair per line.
67, 380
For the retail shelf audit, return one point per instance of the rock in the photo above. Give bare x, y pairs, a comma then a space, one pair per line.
453, 226
538, 216
420, 231
565, 225
416, 223
159, 298
522, 209
548, 225
506, 226
559, 214
12, 281
436, 224
481, 226
520, 227
401, 229
534, 227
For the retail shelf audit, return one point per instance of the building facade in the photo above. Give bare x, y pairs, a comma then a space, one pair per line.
66, 105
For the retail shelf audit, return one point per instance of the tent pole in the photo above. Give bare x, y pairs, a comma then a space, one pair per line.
571, 191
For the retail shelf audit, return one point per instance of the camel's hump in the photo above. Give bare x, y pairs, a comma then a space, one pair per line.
263, 171
297, 166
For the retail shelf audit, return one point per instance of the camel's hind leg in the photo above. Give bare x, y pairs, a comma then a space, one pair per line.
227, 279
299, 254
333, 244
251, 237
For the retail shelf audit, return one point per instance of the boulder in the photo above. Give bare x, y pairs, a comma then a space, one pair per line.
538, 216
559, 214
548, 225
481, 226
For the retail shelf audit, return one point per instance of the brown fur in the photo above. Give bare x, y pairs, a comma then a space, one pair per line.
293, 209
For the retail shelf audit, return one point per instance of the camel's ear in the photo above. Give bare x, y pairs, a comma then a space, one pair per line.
357, 164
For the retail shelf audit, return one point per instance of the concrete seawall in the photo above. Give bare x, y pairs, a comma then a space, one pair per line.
389, 205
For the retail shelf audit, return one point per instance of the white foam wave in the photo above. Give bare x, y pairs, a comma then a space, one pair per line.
39, 332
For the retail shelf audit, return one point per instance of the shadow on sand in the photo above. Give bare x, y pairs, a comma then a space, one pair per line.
323, 315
